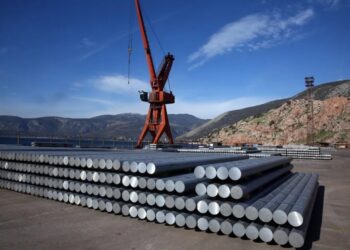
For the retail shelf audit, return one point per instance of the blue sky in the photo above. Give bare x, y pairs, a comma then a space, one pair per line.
69, 58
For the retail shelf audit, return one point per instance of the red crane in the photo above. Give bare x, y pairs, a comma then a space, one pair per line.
157, 118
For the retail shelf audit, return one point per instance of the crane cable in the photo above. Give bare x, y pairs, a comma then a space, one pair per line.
158, 42
130, 42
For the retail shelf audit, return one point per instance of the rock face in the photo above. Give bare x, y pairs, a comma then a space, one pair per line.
287, 124
320, 92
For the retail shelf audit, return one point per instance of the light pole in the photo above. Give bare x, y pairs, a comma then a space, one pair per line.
309, 84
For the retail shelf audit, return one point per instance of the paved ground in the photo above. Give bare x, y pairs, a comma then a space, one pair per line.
28, 222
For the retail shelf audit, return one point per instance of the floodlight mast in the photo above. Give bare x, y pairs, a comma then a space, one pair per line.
309, 84
157, 121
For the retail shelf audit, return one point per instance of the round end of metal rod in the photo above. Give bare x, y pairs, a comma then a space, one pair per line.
134, 197
133, 211
151, 199
295, 219
150, 215
126, 181
190, 205
141, 213
102, 164
169, 201
142, 183
235, 173
170, 218
133, 182
83, 175
212, 190
202, 206
180, 186
125, 195
214, 225
180, 220
222, 173
126, 166
251, 213
160, 185
142, 167
226, 227
109, 207
296, 239
214, 208
236, 192
180, 203
203, 224
199, 172
109, 164
266, 234
201, 189
224, 191
160, 201
239, 229
133, 167
151, 184
160, 217
210, 172
280, 217
280, 236
252, 232
191, 221
88, 201
116, 179
116, 208
169, 185
151, 168
102, 205
265, 215
125, 210
65, 160
95, 177
116, 164
226, 209
238, 211
95, 204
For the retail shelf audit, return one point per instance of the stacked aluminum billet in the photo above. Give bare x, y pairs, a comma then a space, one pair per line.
313, 153
160, 186
257, 198
298, 152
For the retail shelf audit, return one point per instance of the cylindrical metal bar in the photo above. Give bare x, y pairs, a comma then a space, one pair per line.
238, 191
239, 228
226, 226
304, 203
266, 233
252, 231
166, 166
254, 166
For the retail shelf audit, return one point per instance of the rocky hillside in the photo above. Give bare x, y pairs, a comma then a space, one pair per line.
320, 92
287, 124
121, 126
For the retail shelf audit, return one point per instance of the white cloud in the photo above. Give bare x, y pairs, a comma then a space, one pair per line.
253, 32
211, 109
119, 84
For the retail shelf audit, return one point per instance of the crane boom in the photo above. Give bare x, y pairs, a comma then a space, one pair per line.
145, 41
